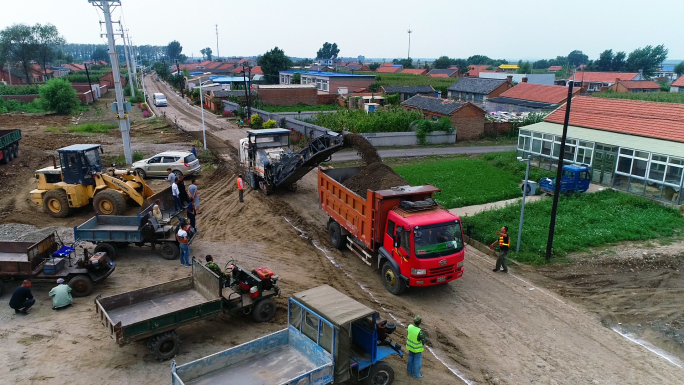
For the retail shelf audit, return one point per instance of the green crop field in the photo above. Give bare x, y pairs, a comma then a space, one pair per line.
383, 79
664, 97
467, 181
583, 221
300, 108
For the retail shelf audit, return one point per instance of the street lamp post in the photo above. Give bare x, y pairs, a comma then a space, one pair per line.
522, 210
204, 131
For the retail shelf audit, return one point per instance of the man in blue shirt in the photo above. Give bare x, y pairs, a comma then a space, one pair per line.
194, 151
22, 299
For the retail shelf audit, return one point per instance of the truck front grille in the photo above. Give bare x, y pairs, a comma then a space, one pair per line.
441, 270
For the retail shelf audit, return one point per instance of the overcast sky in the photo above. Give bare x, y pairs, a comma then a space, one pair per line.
527, 29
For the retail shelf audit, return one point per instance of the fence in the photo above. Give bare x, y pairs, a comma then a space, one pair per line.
292, 121
21, 98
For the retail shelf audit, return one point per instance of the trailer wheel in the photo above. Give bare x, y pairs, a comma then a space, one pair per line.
165, 346
10, 154
169, 250
109, 202
4, 157
335, 234
264, 310
16, 150
380, 374
107, 248
56, 203
81, 285
392, 279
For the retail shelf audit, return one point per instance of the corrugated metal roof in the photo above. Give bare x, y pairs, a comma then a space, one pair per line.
285, 86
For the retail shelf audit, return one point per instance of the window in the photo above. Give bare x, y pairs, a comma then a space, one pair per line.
435, 118
405, 240
156, 159
479, 98
390, 227
282, 79
325, 85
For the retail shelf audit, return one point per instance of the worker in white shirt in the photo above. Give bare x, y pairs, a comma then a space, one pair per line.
176, 196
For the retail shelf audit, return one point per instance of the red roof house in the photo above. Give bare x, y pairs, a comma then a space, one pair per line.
555, 68
474, 70
414, 71
636, 86
538, 93
389, 70
678, 85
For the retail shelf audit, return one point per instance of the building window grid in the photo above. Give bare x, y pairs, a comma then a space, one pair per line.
576, 151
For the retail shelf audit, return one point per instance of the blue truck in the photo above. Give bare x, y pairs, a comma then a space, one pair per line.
574, 178
330, 338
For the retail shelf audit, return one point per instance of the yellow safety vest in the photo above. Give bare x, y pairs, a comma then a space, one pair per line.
505, 244
412, 343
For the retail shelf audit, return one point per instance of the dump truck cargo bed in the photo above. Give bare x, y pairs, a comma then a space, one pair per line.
282, 358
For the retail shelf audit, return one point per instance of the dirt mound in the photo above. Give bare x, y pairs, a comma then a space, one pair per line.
366, 150
376, 176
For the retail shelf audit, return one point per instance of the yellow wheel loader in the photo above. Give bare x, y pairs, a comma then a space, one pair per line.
81, 179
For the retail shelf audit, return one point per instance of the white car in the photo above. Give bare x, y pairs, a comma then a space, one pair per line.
159, 100
180, 162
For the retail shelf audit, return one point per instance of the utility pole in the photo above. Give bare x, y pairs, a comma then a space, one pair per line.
248, 92
133, 61
559, 173
128, 65
89, 83
218, 54
409, 48
124, 122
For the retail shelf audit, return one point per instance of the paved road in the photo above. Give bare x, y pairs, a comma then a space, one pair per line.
424, 151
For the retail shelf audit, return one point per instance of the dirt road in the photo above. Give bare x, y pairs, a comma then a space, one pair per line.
485, 328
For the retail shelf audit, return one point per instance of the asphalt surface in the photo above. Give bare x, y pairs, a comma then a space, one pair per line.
424, 151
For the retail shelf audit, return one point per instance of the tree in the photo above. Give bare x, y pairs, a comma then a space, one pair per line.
329, 51
619, 61
18, 44
577, 58
480, 59
442, 62
173, 50
541, 64
406, 63
462, 65
524, 67
559, 61
100, 53
605, 60
360, 59
48, 41
296, 78
374, 66
161, 69
206, 52
679, 69
272, 62
647, 59
58, 95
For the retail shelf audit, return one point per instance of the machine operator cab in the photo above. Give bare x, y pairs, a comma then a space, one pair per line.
262, 147
79, 163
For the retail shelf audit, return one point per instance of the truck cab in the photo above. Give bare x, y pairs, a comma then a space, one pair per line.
422, 246
574, 178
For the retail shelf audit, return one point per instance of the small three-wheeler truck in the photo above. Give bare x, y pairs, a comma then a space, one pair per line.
330, 338
153, 313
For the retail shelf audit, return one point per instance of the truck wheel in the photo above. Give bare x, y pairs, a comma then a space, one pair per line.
380, 374
392, 280
109, 202
56, 203
141, 173
165, 346
16, 151
169, 250
81, 285
264, 310
4, 157
107, 248
10, 154
335, 233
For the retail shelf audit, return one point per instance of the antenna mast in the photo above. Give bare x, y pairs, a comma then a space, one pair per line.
409, 48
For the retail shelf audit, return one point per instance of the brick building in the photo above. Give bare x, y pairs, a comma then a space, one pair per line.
527, 97
329, 82
450, 73
288, 94
478, 90
468, 118
108, 79
636, 86
407, 92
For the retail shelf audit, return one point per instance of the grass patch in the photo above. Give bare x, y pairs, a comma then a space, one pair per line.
467, 181
92, 128
583, 221
120, 160
34, 107
383, 79
301, 108
663, 97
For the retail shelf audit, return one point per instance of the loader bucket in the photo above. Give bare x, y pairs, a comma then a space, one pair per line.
166, 198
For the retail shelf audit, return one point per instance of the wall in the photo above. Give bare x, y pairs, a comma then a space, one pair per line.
21, 98
469, 122
496, 128
85, 97
351, 85
288, 96
547, 79
490, 106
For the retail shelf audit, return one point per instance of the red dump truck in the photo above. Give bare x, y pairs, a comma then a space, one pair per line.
416, 242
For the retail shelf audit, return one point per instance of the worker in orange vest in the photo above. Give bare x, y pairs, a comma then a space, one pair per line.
241, 186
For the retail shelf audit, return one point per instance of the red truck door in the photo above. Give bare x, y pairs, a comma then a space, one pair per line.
401, 253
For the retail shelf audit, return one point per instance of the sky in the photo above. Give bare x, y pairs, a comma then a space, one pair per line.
522, 29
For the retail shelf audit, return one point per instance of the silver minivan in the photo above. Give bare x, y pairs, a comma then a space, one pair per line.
159, 100
180, 162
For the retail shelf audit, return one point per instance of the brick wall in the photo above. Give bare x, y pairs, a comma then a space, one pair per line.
327, 98
85, 97
288, 96
21, 98
350, 84
469, 122
80, 87
496, 128
500, 90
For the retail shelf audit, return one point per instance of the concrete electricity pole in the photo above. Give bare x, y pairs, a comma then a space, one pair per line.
218, 54
133, 61
128, 65
124, 122
409, 48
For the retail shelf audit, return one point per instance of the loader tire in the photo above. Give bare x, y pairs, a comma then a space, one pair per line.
56, 203
165, 346
109, 202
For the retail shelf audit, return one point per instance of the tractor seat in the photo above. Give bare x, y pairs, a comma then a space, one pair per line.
159, 229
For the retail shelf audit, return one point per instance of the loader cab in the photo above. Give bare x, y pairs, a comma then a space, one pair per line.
79, 163
269, 138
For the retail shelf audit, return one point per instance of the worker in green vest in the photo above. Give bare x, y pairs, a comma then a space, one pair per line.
414, 344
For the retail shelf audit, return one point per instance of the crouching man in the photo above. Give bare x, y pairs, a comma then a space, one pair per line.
61, 295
